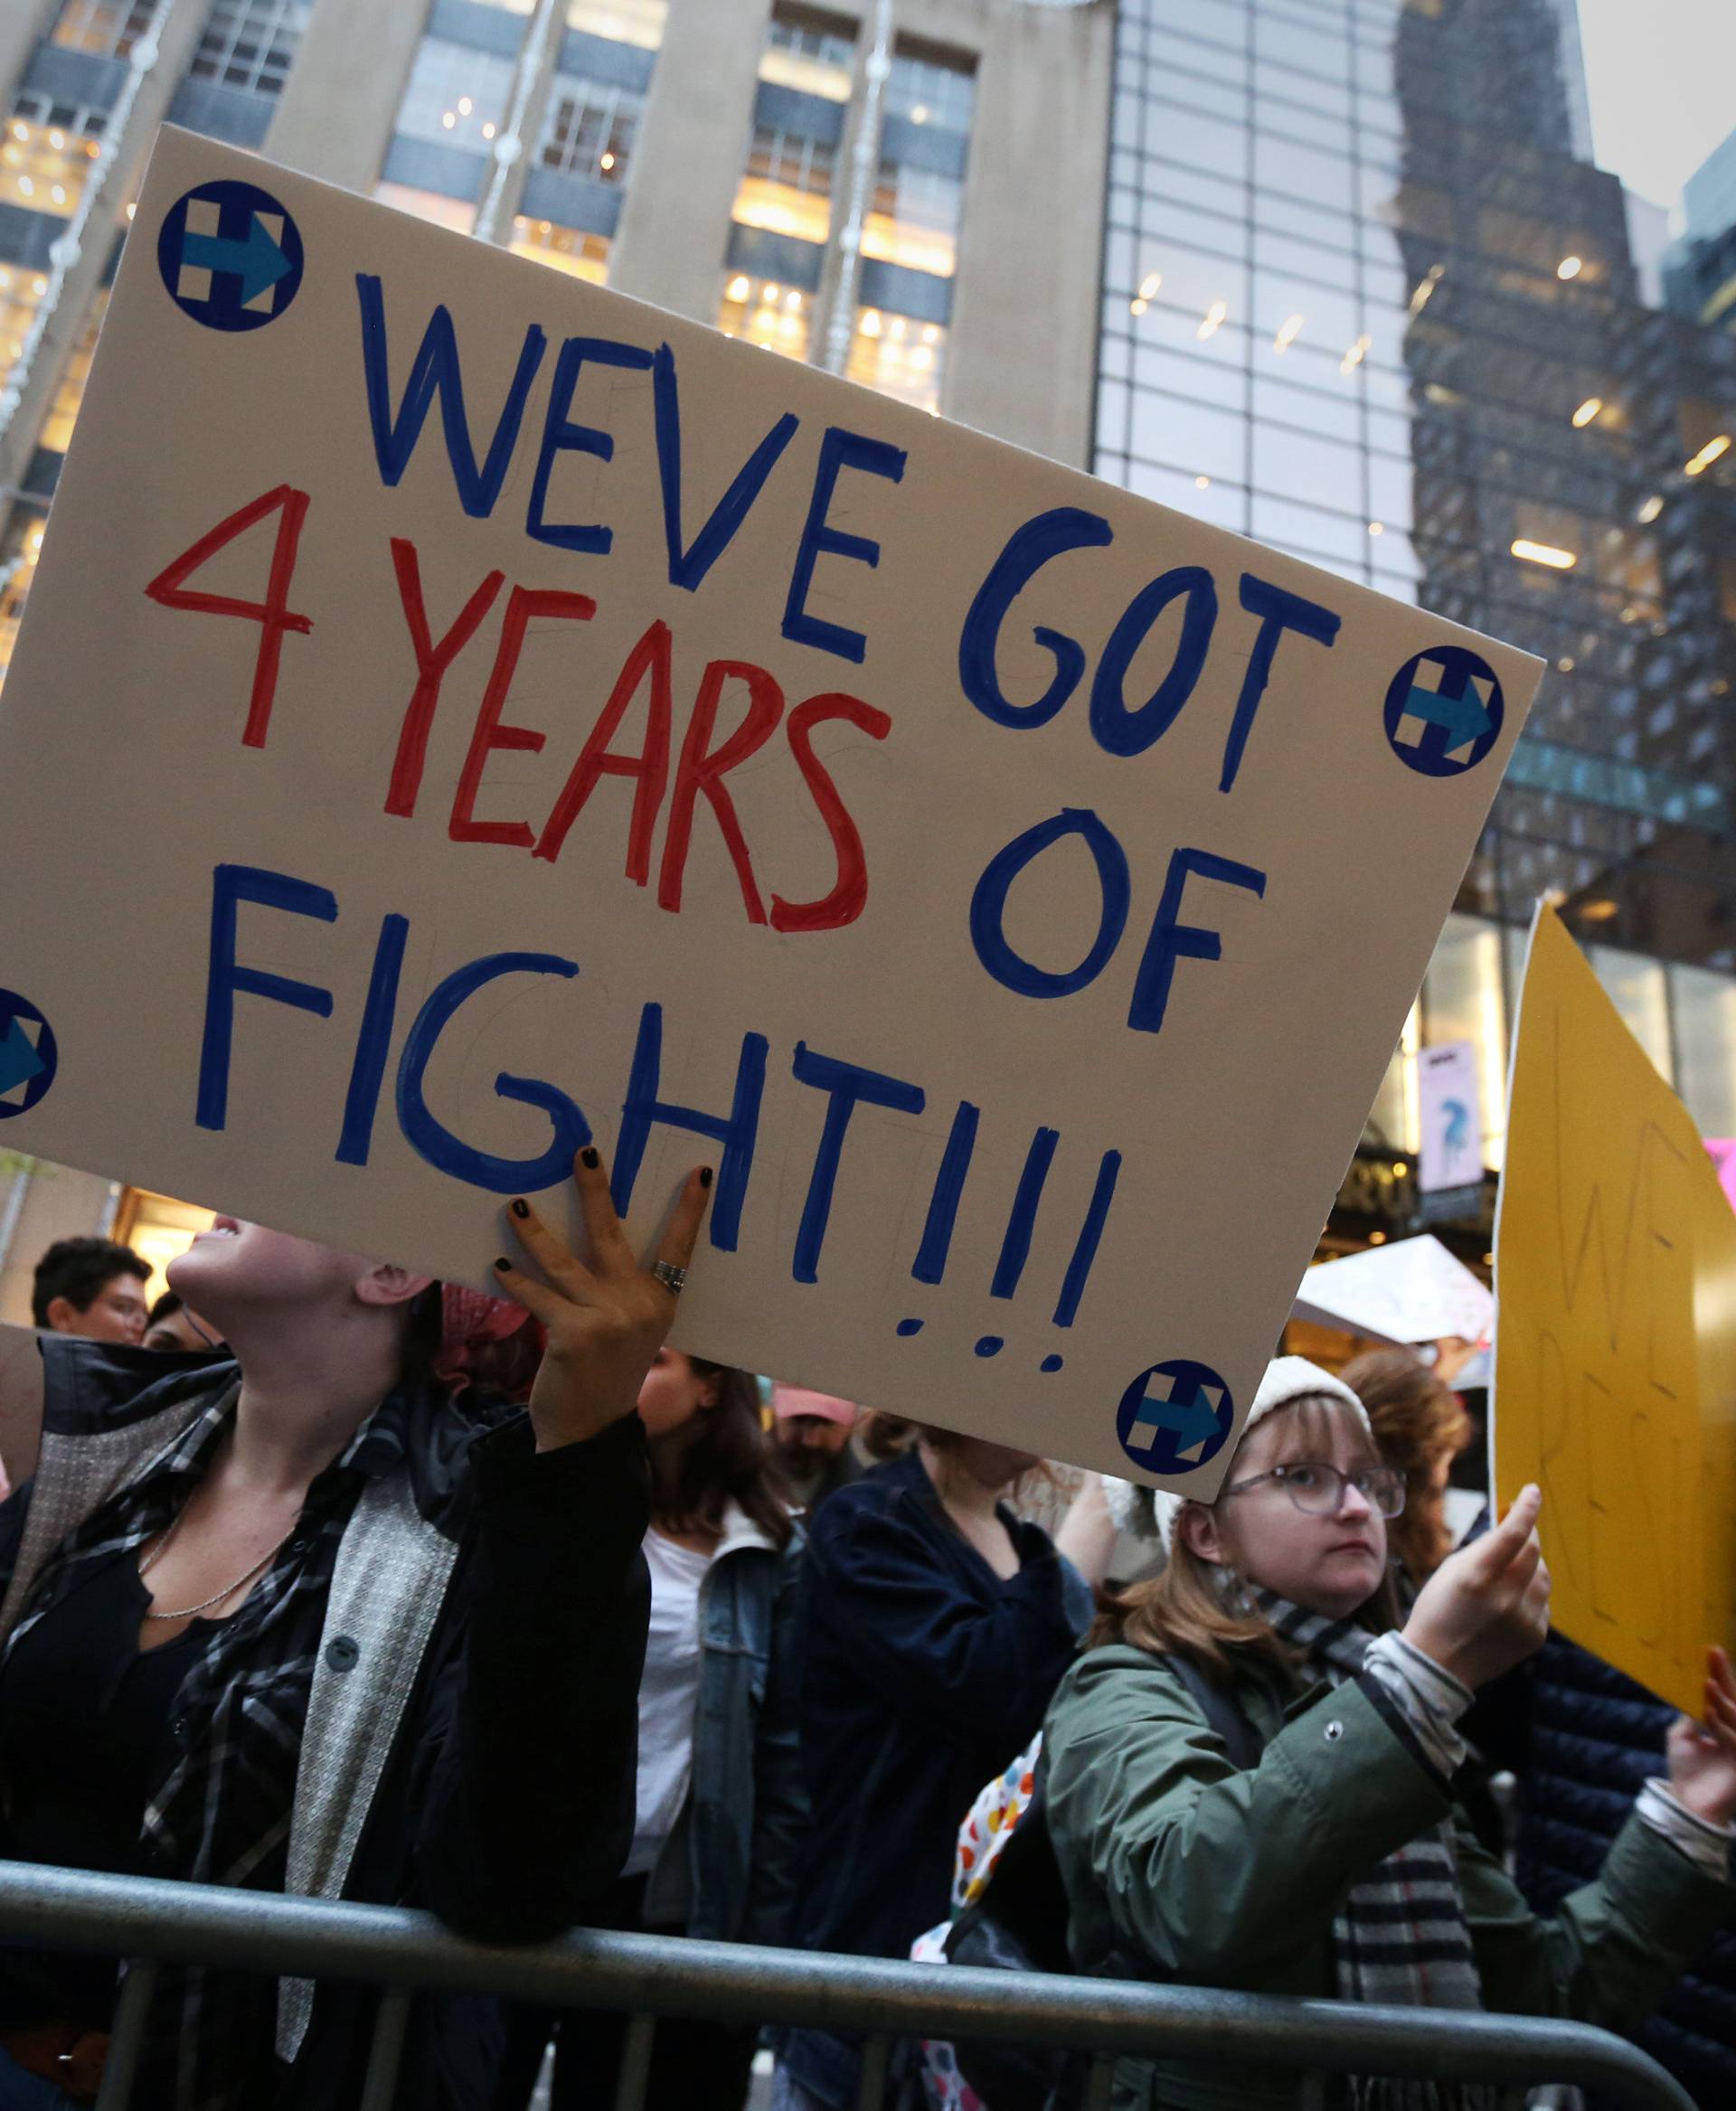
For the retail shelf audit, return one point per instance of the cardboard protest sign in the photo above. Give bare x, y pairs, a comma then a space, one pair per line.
463, 712
1616, 1335
1412, 1290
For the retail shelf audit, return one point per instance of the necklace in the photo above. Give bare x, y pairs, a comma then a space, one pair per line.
204, 1605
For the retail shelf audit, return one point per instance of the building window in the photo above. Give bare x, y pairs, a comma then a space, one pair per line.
931, 90
108, 29
789, 186
567, 248
779, 318
915, 219
250, 45
589, 127
19, 291
20, 547
458, 213
456, 95
811, 51
900, 356
46, 159
622, 21
63, 412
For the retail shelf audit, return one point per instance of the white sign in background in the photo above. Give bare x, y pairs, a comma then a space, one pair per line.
1450, 1111
462, 710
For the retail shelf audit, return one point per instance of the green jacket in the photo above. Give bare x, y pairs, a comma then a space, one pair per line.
1233, 1879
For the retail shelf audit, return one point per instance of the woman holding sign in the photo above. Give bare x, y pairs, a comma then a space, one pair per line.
298, 1621
1326, 1859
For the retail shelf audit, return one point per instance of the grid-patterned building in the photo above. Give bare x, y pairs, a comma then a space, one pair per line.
1365, 297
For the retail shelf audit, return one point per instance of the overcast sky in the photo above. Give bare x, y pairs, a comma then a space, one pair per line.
1662, 76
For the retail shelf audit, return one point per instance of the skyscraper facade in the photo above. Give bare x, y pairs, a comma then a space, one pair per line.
1365, 298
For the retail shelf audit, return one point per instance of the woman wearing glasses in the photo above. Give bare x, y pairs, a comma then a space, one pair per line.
1300, 1836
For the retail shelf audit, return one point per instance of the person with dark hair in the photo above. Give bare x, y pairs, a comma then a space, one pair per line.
936, 1625
172, 1329
1421, 1426
92, 1288
721, 1808
1249, 1774
301, 1622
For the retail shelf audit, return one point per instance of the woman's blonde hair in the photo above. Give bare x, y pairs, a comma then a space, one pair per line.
1420, 1424
1186, 1610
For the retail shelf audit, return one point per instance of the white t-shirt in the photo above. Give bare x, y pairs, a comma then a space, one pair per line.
668, 1694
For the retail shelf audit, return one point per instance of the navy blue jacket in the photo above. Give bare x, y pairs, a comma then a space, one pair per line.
923, 1674
1595, 1739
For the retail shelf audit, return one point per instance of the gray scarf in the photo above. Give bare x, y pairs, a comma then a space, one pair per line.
1401, 1935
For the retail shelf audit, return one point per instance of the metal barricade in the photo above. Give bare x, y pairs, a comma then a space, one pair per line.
153, 1924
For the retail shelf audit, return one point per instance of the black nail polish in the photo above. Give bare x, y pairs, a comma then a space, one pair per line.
521, 1209
591, 1158
502, 1264
704, 1176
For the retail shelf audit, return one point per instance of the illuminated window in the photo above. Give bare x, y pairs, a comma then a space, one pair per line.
567, 248
106, 28
930, 91
458, 213
811, 51
250, 45
622, 21
787, 187
455, 95
900, 356
57, 428
764, 313
589, 127
915, 219
20, 290
46, 154
19, 548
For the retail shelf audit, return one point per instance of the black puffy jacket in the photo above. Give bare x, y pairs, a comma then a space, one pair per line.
1595, 1739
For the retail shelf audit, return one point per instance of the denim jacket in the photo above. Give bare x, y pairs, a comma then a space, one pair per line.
748, 1811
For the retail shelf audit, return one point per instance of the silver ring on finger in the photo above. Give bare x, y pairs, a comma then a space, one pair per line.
673, 1279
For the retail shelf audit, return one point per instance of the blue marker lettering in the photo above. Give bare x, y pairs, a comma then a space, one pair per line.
373, 1043
230, 886
989, 905
930, 1262
1015, 1246
687, 568
562, 436
1171, 940
849, 1085
433, 1140
1130, 732
1279, 611
737, 1132
839, 450
1028, 549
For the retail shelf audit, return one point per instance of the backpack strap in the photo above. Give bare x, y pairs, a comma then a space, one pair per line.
1222, 1711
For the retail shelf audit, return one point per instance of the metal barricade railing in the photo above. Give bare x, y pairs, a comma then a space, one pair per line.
153, 1924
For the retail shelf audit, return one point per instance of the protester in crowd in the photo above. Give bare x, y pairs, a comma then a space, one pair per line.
721, 1808
1420, 1425
1592, 1738
303, 1624
935, 1626
93, 1288
812, 1431
1333, 1866
173, 1331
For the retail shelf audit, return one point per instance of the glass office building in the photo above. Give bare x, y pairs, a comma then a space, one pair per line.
1366, 299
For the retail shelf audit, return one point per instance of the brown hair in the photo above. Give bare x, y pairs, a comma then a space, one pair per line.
1183, 1611
1421, 1423
730, 1459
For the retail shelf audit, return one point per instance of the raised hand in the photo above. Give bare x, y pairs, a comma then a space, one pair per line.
1703, 1754
1487, 1608
606, 1321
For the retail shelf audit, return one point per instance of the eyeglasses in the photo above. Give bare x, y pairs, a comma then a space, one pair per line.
1317, 1490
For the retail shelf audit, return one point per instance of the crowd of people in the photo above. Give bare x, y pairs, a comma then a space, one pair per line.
318, 1577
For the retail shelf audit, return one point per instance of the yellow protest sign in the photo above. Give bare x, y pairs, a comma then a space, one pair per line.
1616, 1335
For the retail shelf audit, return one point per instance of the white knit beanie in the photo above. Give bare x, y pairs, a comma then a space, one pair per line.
1151, 1513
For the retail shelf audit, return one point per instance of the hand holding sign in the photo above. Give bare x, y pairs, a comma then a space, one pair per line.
1487, 1608
1703, 1754
605, 1323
